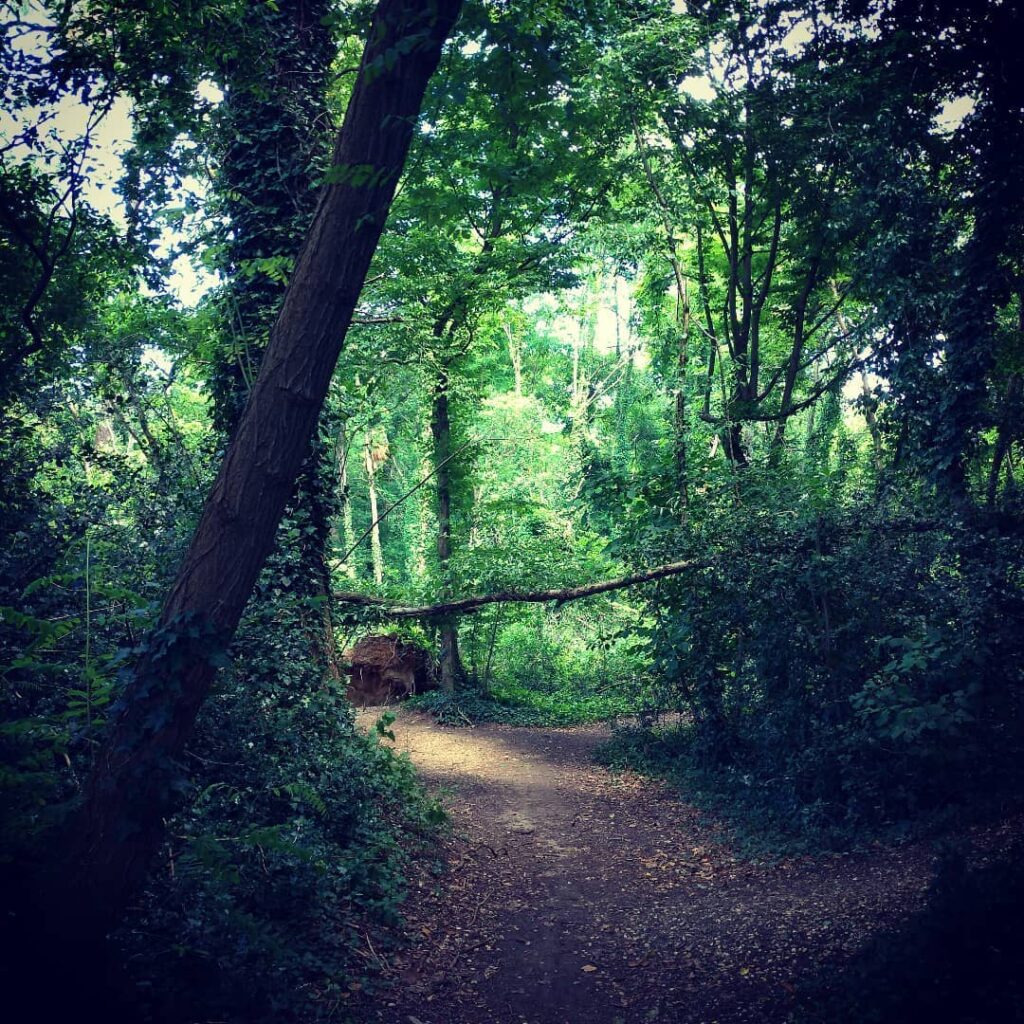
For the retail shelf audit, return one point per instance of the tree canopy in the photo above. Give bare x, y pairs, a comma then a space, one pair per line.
629, 358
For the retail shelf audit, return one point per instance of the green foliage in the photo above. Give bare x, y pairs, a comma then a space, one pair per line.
645, 254
511, 704
892, 703
575, 649
806, 711
296, 845
298, 829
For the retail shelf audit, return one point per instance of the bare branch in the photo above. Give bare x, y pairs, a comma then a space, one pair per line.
561, 596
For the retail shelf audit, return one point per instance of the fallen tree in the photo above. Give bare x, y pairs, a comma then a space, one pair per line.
561, 596
803, 549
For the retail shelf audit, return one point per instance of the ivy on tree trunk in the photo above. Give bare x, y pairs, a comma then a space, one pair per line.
136, 779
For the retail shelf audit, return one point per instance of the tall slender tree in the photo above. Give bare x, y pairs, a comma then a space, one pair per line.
505, 176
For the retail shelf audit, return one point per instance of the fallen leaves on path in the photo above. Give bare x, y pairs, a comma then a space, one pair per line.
576, 895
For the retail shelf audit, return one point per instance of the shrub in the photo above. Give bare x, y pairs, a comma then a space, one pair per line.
861, 669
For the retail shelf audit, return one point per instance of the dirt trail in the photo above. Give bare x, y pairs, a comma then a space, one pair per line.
578, 895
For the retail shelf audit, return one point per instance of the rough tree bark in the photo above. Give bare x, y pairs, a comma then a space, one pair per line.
133, 787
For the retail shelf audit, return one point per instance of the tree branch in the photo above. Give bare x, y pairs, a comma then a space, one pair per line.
469, 604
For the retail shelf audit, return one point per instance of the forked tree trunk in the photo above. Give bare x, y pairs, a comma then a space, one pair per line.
134, 786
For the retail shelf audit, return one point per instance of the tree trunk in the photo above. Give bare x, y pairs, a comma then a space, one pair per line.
422, 530
796, 353
134, 786
870, 417
682, 321
681, 426
733, 444
515, 354
452, 672
268, 193
615, 313
811, 429
1008, 422
345, 500
574, 401
376, 552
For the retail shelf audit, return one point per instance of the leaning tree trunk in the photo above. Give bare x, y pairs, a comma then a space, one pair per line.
136, 779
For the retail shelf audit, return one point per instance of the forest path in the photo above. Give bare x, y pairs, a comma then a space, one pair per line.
576, 895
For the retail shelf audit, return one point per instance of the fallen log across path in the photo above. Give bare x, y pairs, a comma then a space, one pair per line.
561, 596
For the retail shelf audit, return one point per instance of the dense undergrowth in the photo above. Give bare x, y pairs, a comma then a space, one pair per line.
520, 705
290, 863
296, 831
852, 673
856, 669
543, 668
763, 825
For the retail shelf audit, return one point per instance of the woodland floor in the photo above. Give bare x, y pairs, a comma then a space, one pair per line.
575, 894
